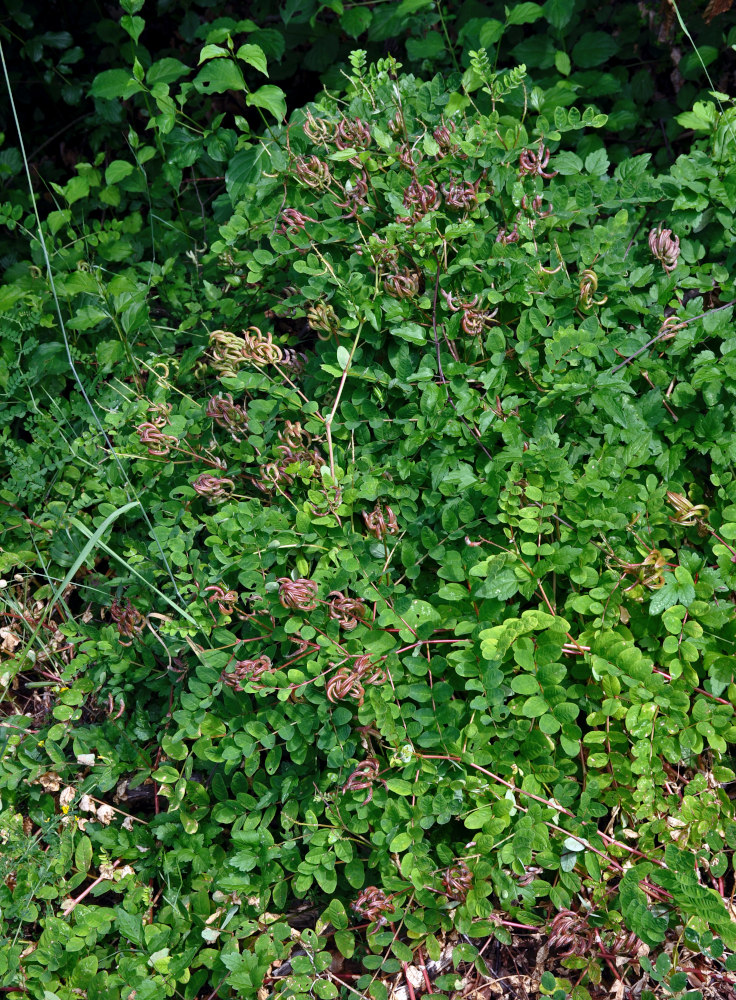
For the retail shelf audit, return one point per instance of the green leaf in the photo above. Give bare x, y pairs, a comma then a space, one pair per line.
166, 70
548, 981
219, 76
378, 990
212, 52
594, 48
166, 775
356, 20
534, 707
112, 83
117, 171
525, 684
245, 168
254, 56
324, 989
400, 842
568, 164
702, 118
133, 25
457, 102
572, 844
562, 63
478, 818
270, 98
130, 925
490, 32
83, 854
160, 960
412, 332
400, 786
678, 589
500, 585
431, 46
559, 12
523, 13
597, 162
336, 914
345, 942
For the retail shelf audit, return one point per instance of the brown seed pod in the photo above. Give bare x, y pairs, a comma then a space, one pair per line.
665, 248
246, 670
458, 881
298, 595
373, 904
348, 611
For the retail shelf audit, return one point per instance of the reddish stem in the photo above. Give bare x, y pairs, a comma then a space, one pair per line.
721, 701
423, 968
410, 988
71, 903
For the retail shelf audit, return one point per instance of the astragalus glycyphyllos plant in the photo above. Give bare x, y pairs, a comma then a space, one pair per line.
431, 632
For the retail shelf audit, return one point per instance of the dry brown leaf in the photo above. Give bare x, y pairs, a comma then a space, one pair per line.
9, 640
50, 781
716, 7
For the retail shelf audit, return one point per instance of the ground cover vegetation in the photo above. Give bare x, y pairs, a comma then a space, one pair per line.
368, 544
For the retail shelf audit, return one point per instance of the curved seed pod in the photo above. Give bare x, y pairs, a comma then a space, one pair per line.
665, 248
348, 611
298, 595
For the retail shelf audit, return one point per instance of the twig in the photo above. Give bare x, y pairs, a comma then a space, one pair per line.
443, 380
410, 988
713, 697
666, 332
552, 805
69, 905
213, 994
423, 970
333, 411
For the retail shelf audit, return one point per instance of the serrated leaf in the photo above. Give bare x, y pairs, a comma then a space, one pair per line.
117, 171
356, 20
567, 164
245, 168
523, 13
597, 162
490, 32
130, 925
594, 48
